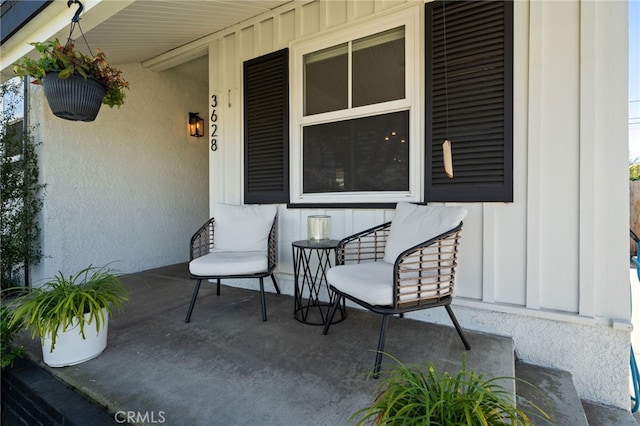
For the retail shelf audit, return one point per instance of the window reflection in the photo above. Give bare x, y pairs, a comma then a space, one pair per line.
364, 154
326, 80
378, 68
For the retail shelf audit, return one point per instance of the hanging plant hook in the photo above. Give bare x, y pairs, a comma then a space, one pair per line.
76, 17
76, 21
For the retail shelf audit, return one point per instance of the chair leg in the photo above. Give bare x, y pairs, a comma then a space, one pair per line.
218, 287
332, 312
383, 335
275, 284
263, 303
193, 301
457, 326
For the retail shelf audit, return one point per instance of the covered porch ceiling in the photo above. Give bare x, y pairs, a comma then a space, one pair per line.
136, 31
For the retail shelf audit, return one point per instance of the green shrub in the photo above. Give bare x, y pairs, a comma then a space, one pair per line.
8, 351
20, 192
634, 171
410, 395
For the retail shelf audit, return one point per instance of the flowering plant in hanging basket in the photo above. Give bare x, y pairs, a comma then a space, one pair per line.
80, 79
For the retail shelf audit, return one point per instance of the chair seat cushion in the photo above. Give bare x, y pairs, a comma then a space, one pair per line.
221, 263
371, 282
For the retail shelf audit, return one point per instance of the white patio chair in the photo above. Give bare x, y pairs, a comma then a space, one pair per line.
400, 266
238, 242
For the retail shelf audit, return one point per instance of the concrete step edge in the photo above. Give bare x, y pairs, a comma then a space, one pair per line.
604, 415
555, 389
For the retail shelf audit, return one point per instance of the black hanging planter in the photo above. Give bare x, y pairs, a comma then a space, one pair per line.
74, 98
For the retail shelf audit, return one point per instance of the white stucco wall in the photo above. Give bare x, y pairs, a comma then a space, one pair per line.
130, 187
549, 269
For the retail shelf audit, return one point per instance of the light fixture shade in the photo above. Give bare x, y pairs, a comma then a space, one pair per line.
196, 125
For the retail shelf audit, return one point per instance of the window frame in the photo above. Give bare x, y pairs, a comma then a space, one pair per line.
411, 19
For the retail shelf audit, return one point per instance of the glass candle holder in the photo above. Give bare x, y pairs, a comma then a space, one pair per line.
319, 228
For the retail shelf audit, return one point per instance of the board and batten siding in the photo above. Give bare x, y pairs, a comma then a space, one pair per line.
549, 269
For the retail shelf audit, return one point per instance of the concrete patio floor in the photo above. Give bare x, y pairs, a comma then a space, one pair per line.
229, 367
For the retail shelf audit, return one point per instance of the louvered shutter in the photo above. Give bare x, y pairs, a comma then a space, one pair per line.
266, 129
479, 92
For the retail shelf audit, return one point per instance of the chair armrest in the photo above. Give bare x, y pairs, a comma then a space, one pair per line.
425, 273
365, 246
202, 240
273, 247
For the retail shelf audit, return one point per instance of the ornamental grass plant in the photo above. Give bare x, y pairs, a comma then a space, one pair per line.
63, 302
9, 351
411, 395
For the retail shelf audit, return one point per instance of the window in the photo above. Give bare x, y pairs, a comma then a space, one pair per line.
378, 73
354, 121
359, 134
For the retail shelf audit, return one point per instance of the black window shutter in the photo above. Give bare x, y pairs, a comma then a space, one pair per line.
266, 128
478, 90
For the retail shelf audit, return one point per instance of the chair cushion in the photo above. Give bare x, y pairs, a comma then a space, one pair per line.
221, 263
371, 282
413, 224
242, 228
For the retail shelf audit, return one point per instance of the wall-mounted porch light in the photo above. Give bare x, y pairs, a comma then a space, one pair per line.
196, 125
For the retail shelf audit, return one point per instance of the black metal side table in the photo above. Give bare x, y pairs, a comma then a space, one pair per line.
311, 261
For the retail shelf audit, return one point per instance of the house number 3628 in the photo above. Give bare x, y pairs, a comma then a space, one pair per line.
214, 121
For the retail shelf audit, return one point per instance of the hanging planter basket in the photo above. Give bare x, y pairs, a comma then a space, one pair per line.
87, 80
74, 98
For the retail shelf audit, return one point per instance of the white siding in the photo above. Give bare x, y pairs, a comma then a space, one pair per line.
549, 269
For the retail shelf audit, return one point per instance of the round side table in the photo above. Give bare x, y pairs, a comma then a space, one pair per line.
313, 299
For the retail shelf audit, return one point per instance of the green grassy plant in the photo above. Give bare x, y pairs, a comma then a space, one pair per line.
8, 351
64, 301
410, 395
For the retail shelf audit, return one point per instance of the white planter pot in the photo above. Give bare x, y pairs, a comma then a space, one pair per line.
71, 348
